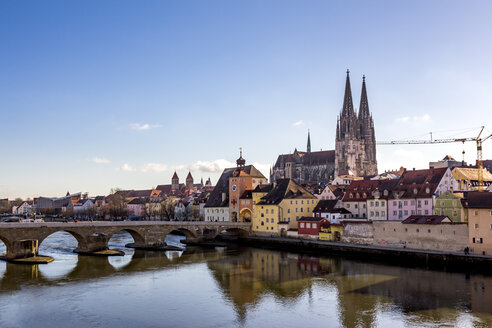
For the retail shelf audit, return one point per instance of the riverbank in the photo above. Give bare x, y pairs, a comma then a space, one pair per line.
388, 255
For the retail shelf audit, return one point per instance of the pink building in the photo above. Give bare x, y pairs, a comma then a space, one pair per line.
136, 207
415, 193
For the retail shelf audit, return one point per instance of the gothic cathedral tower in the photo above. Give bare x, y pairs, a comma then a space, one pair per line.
355, 147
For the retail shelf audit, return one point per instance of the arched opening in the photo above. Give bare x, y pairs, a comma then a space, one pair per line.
234, 217
233, 233
118, 242
60, 245
3, 252
245, 215
179, 237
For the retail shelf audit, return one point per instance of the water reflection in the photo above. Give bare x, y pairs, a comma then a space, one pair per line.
266, 287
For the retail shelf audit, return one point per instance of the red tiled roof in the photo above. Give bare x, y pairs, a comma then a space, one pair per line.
426, 219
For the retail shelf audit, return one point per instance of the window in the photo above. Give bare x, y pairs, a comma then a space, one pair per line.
377, 213
302, 209
475, 212
355, 205
429, 231
405, 212
442, 203
426, 202
377, 204
262, 223
426, 212
308, 225
394, 213
419, 212
267, 220
315, 225
405, 202
372, 213
266, 211
288, 210
394, 203
383, 214
455, 213
418, 230
302, 225
475, 226
382, 203
347, 206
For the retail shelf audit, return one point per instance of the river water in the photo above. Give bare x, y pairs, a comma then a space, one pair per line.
232, 287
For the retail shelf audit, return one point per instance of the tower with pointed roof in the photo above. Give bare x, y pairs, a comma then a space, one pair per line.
355, 147
175, 181
308, 148
189, 180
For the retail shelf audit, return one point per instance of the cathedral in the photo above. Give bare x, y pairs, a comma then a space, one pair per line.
355, 147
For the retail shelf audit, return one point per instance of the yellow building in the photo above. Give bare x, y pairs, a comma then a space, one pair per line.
331, 232
467, 178
282, 202
478, 206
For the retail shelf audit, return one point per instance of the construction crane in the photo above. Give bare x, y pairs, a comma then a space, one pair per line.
478, 139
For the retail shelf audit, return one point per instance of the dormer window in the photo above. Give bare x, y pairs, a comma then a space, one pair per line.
415, 191
351, 195
427, 190
357, 195
364, 195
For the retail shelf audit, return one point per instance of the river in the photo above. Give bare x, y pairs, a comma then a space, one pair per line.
232, 287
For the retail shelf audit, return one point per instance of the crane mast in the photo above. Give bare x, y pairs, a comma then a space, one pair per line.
477, 139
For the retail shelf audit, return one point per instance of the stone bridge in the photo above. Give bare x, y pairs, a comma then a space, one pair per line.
23, 239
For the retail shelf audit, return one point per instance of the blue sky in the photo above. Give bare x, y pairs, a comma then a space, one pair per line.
101, 94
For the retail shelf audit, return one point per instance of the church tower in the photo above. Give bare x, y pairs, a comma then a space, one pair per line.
308, 148
368, 137
355, 148
189, 180
175, 181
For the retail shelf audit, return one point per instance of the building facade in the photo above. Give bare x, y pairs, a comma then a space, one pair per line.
355, 142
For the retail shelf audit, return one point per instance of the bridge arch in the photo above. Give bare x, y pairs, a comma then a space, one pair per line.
81, 240
188, 233
138, 238
6, 242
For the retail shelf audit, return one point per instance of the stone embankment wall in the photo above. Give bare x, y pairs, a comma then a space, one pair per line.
451, 237
360, 233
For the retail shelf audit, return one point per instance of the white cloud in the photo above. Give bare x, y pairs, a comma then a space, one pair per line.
99, 160
216, 166
403, 119
154, 167
143, 127
422, 118
126, 168
298, 123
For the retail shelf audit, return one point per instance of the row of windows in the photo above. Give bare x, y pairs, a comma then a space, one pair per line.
405, 212
216, 211
383, 214
213, 218
302, 201
308, 225
383, 203
355, 205
271, 228
412, 203
476, 226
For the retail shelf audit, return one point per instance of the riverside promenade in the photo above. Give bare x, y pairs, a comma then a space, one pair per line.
400, 256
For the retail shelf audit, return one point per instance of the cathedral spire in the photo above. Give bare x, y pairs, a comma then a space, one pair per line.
348, 106
309, 143
364, 104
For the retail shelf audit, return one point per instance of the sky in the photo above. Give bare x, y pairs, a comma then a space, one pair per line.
96, 95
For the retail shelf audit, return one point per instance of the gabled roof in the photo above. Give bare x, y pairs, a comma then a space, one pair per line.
263, 188
222, 186
248, 170
139, 193
360, 190
476, 199
175, 175
314, 157
137, 201
325, 205
426, 219
284, 188
310, 219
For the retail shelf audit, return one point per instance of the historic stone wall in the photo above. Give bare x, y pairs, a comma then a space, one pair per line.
442, 237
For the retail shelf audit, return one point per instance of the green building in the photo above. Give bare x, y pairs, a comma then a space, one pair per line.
449, 204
